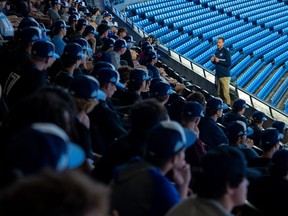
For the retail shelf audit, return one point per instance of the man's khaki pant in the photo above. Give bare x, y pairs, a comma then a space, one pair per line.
223, 89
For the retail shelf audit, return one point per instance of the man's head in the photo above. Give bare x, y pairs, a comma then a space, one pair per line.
120, 46
270, 139
167, 142
192, 112
238, 132
224, 172
258, 117
215, 106
161, 91
220, 42
60, 27
72, 55
239, 106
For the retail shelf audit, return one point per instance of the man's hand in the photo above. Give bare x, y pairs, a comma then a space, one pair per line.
216, 59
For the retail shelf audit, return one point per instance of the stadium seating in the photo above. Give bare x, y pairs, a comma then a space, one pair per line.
279, 93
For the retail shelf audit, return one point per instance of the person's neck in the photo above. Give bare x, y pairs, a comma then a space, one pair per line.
70, 69
214, 117
39, 65
227, 203
267, 154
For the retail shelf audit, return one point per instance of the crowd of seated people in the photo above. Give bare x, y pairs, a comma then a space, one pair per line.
85, 111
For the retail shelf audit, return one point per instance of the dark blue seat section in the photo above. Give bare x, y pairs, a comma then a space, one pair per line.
261, 77
279, 93
251, 72
168, 37
266, 90
178, 41
241, 66
249, 48
185, 47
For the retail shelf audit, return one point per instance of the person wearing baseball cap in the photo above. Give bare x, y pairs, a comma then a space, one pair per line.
89, 35
53, 13
71, 59
282, 128
210, 132
27, 79
161, 90
147, 189
127, 56
191, 114
237, 113
105, 119
72, 21
59, 31
64, 11
151, 60
120, 47
257, 120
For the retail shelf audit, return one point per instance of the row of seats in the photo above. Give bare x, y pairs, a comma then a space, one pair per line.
278, 21
206, 55
174, 10
235, 58
161, 17
185, 47
280, 27
275, 99
254, 7
168, 37
208, 21
266, 48
265, 14
286, 106
177, 41
154, 7
171, 20
275, 52
272, 17
266, 90
281, 59
162, 31
251, 39
197, 50
235, 35
143, 23
250, 73
208, 35
212, 4
144, 4
152, 27
259, 43
197, 16
241, 66
243, 4
259, 80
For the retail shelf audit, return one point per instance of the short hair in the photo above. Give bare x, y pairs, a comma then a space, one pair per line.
121, 29
83, 104
124, 72
68, 61
221, 38
198, 97
51, 193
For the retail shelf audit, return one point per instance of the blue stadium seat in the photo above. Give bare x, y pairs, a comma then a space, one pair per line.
185, 47
279, 93
259, 80
241, 66
266, 90
205, 56
197, 50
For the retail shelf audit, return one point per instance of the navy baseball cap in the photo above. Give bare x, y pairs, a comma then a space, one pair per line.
90, 29
168, 138
115, 37
129, 39
82, 21
30, 34
60, 24
109, 75
72, 17
27, 22
138, 75
109, 42
108, 15
120, 43
240, 103
105, 22
74, 50
161, 88
86, 87
72, 9
148, 49
101, 64
225, 163
65, 4
44, 49
56, 2
144, 44
102, 56
259, 116
192, 109
43, 28
280, 126
83, 43
152, 55
270, 136
42, 145
215, 103
238, 128
280, 159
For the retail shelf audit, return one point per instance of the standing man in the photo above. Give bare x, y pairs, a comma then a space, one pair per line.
222, 60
